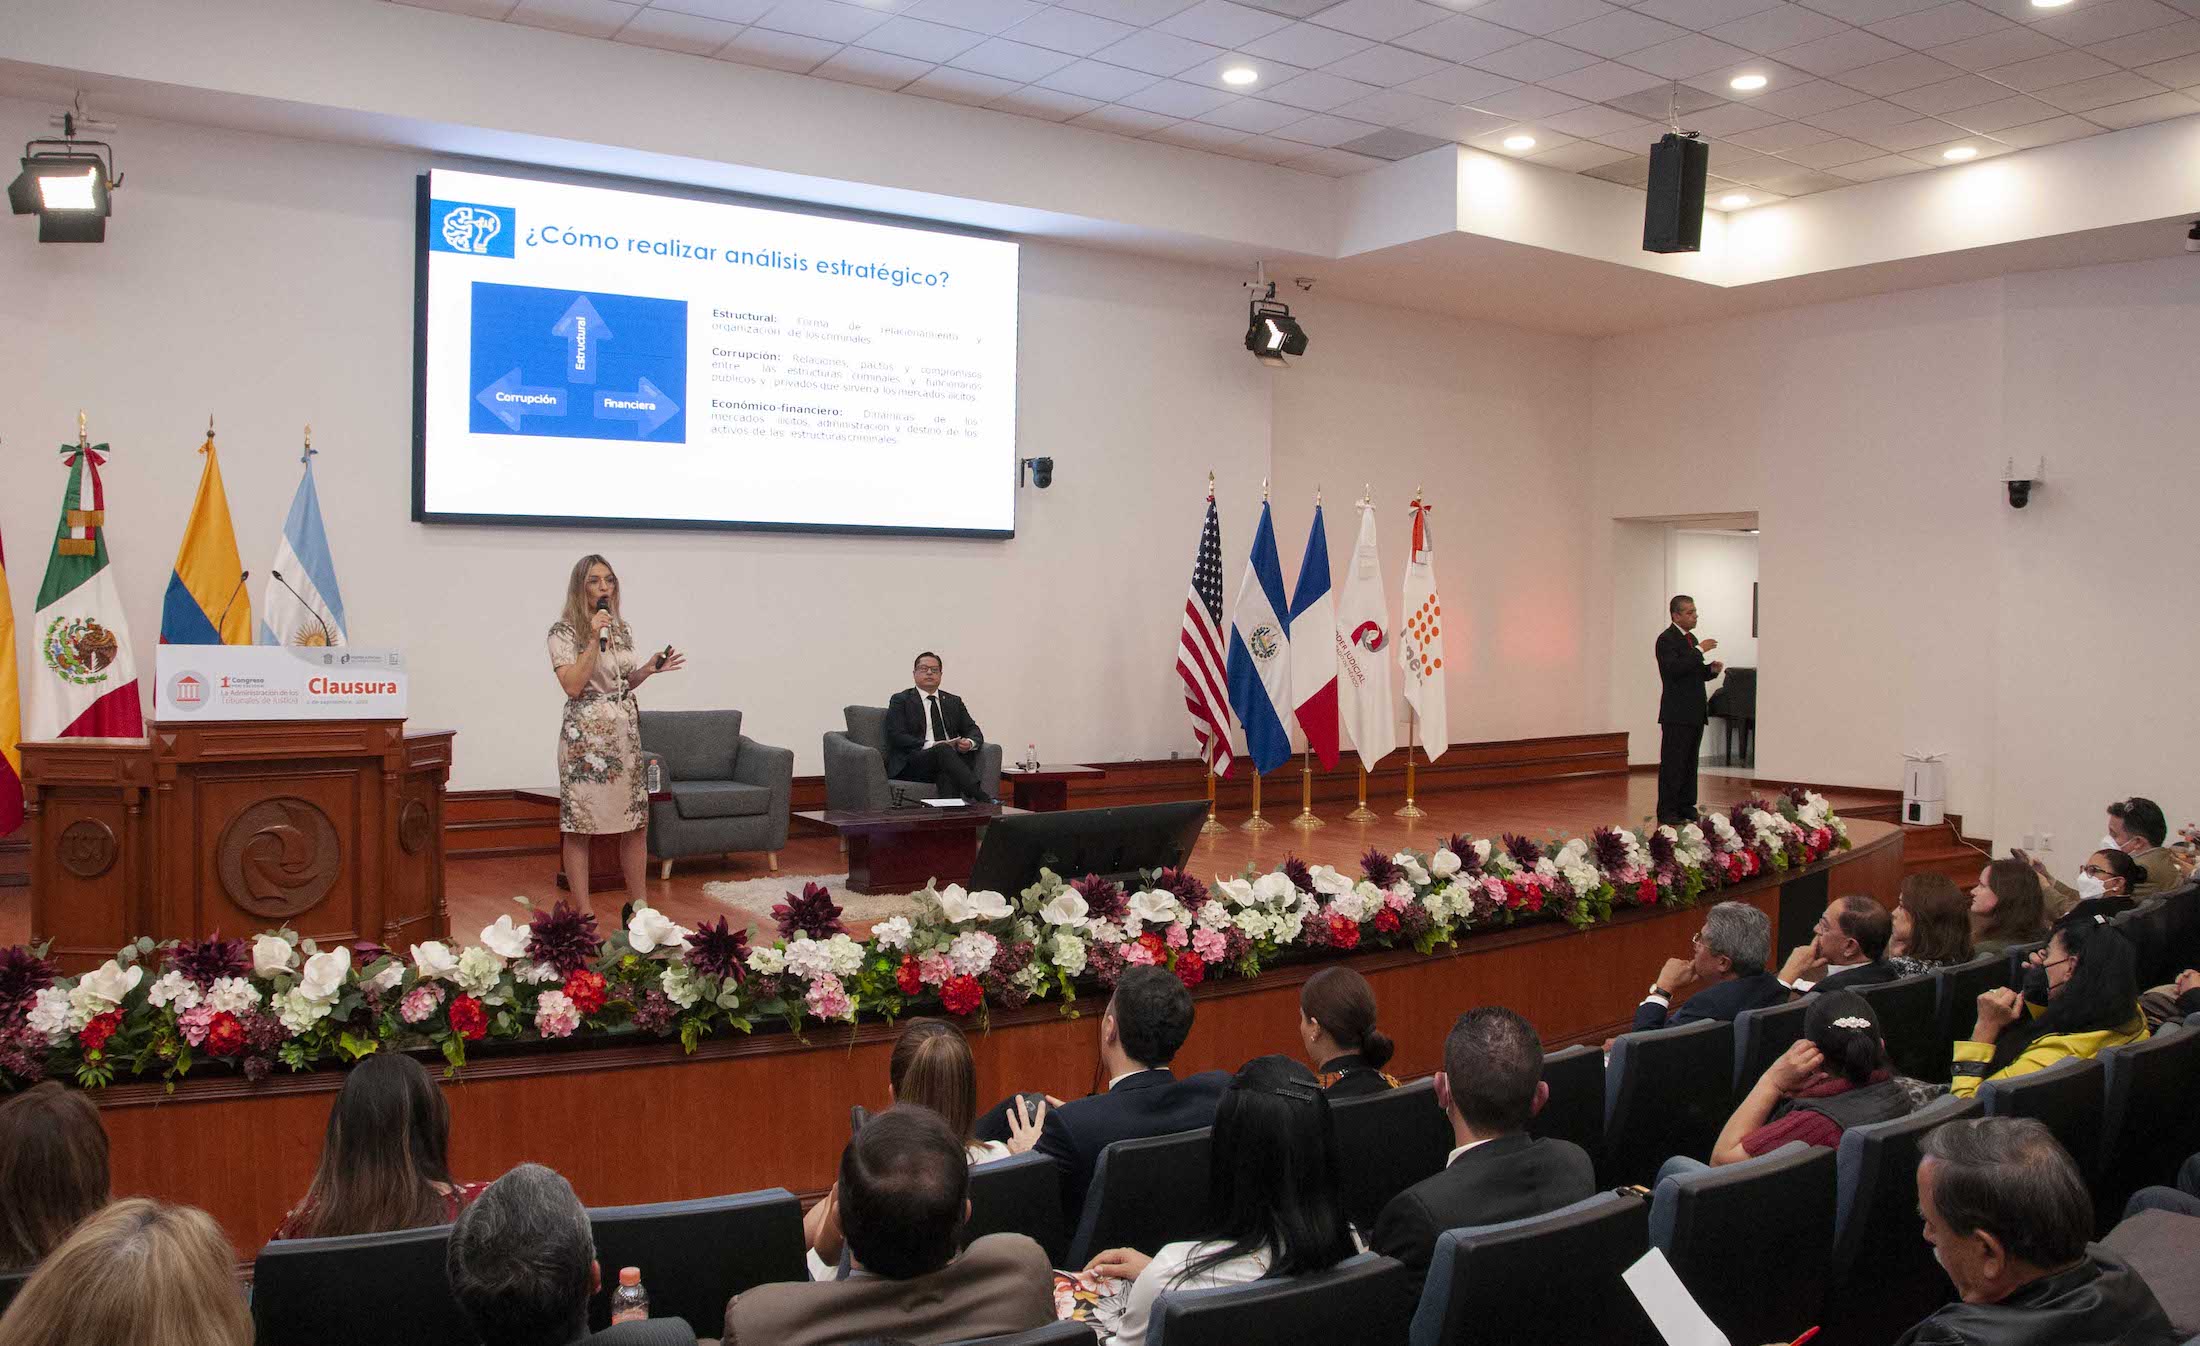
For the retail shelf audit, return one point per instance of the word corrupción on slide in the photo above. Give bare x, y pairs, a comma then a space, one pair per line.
557, 236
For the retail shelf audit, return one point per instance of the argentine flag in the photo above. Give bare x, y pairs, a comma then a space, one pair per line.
302, 605
1259, 665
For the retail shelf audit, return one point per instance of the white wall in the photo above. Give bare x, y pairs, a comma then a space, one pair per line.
1717, 570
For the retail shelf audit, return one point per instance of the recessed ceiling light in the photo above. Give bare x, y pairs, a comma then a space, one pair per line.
2049, 4
1960, 153
1520, 142
1240, 74
1747, 83
1734, 200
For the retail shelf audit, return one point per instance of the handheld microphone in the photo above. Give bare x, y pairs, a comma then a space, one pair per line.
219, 621
603, 635
328, 637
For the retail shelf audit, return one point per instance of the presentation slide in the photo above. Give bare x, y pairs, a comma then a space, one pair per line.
592, 356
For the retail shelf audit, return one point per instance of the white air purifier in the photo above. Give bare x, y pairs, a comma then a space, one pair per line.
1924, 788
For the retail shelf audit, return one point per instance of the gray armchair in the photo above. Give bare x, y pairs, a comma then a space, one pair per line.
855, 767
729, 792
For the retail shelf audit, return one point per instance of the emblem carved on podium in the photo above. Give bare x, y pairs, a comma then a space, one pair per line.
87, 848
412, 827
279, 857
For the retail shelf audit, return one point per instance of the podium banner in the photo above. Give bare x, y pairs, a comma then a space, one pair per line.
279, 682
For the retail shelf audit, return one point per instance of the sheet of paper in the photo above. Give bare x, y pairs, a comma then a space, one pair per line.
946, 803
1673, 1311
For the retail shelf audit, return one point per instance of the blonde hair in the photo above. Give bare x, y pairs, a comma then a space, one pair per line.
136, 1271
576, 599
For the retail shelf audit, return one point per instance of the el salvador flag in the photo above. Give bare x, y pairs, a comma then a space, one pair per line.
1259, 664
314, 615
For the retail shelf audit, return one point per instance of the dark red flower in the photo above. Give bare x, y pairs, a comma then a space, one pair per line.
94, 1035
1183, 886
1104, 901
468, 1019
1379, 869
1344, 932
718, 950
1532, 899
906, 976
587, 990
1386, 921
1301, 877
564, 938
224, 1035
202, 962
1191, 969
813, 913
961, 995
23, 975
1646, 892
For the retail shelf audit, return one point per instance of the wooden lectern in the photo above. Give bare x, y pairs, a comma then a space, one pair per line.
332, 827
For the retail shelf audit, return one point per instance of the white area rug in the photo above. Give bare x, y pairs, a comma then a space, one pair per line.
761, 895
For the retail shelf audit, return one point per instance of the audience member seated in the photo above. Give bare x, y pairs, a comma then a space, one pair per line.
522, 1265
1931, 926
2080, 995
2106, 882
1337, 1028
2008, 1217
2007, 907
904, 1194
1491, 1086
53, 1170
2183, 1199
2174, 1001
135, 1271
1727, 960
1834, 1077
1274, 1187
2137, 827
1147, 1020
931, 1067
383, 1164
1848, 949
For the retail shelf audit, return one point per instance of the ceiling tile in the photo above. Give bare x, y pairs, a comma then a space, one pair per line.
1460, 38
1617, 33
1739, 165
2045, 72
1949, 94
2102, 90
1158, 53
1388, 67
1720, 81
1221, 23
1323, 129
1136, 13
1869, 11
1316, 91
1392, 107
726, 11
1265, 73
1018, 61
1066, 30
1701, 14
1333, 163
1252, 114
1725, 120
979, 16
1045, 104
1910, 135
1783, 138
1798, 182
1986, 118
1686, 56
2003, 48
1873, 115
479, 9
1545, 139
1744, 198
1394, 144
1096, 79
2051, 132
1603, 81
1936, 156
1197, 136
1262, 149
1580, 157
1306, 45
678, 32
1541, 17
1803, 100
878, 69
1636, 141
777, 51
2182, 73
1831, 154
2159, 108
1123, 121
1528, 103
1664, 100
918, 40
1633, 171
1909, 71
1176, 99
2100, 20
1842, 51
588, 18
960, 86
1534, 59
2155, 44
1460, 124
1597, 121
1381, 20
1781, 26
825, 19
1940, 25
1460, 84
1872, 170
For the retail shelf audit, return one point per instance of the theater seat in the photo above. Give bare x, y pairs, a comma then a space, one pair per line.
359, 1290
696, 1255
1053, 1334
1762, 1036
1387, 1142
1361, 1299
1883, 1270
1908, 1009
1144, 1193
1021, 1194
1957, 990
10, 1283
1575, 1110
1667, 1091
2017, 956
1733, 1232
1553, 1278
2149, 1121
2067, 1096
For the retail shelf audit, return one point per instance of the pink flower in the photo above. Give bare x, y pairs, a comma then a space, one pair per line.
1178, 936
1140, 952
1397, 901
1495, 887
1210, 944
421, 1002
556, 1016
935, 968
194, 1022
827, 999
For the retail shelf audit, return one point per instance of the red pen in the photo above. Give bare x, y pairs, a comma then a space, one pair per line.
1803, 1338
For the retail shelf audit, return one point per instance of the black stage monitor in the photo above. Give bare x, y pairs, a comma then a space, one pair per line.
1113, 843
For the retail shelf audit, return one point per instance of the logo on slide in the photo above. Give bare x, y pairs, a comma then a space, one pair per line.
477, 231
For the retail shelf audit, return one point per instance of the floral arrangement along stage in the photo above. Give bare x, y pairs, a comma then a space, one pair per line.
158, 1011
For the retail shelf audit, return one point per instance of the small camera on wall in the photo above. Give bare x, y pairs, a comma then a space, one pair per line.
1041, 470
2019, 485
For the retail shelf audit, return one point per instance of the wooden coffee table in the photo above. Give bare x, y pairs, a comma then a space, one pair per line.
1046, 789
901, 850
604, 874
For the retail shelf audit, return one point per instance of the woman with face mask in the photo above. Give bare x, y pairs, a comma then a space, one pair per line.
2105, 885
2081, 995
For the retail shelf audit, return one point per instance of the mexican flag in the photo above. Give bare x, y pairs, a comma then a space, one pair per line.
11, 715
83, 682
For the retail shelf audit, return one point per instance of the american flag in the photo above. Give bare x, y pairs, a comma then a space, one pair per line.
1199, 659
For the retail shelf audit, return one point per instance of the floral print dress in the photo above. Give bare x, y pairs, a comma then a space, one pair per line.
600, 739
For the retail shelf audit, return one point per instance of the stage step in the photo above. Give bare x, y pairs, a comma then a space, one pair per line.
1936, 849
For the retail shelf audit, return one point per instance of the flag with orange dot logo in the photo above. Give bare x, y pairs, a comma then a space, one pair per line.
1421, 639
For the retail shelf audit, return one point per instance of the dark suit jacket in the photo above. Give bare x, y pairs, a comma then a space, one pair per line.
2099, 1302
905, 725
1857, 978
1723, 1001
1350, 1076
1000, 1284
1509, 1178
1683, 670
654, 1332
1150, 1103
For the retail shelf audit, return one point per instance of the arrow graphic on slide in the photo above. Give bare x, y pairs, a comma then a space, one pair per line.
582, 327
647, 406
508, 401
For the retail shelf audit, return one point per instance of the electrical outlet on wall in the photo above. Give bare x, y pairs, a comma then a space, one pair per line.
2047, 841
2031, 841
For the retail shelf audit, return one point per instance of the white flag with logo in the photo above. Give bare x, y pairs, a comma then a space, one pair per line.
1421, 639
1364, 704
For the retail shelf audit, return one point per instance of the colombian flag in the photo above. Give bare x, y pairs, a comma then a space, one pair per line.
11, 715
206, 603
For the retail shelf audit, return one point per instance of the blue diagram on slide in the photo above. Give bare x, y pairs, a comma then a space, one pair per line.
578, 365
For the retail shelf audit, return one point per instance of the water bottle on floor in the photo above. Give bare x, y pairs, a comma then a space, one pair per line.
629, 1301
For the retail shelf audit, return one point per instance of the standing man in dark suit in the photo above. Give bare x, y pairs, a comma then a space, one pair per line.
1491, 1087
1682, 708
930, 735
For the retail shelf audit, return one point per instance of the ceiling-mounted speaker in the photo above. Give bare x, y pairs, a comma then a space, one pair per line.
1672, 219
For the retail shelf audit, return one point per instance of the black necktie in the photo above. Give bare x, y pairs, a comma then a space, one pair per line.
939, 731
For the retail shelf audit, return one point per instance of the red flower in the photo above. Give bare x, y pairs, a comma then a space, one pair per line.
1191, 969
468, 1019
1532, 899
1646, 892
1344, 932
1386, 921
962, 995
1157, 946
1516, 895
224, 1035
94, 1035
906, 976
586, 990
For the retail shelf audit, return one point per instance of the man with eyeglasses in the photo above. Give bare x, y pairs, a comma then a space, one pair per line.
2137, 827
1726, 959
1847, 950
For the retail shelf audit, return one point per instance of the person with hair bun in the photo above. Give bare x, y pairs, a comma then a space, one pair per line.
1337, 1028
1835, 1076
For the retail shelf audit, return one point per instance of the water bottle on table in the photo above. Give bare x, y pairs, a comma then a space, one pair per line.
629, 1301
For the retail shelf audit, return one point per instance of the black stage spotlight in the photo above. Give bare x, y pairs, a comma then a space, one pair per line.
67, 184
1271, 333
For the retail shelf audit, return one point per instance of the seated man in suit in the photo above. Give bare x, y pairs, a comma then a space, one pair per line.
1728, 959
1491, 1085
2008, 1217
1847, 949
904, 1195
522, 1265
930, 735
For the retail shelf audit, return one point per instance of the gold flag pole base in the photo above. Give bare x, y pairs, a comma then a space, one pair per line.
1306, 821
1410, 810
1256, 823
1212, 827
1362, 813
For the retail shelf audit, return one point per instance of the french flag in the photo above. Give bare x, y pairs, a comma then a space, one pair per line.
1259, 665
1314, 647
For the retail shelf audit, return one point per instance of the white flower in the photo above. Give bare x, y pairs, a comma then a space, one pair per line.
1481, 852
1068, 953
989, 906
845, 956
507, 939
1444, 863
173, 989
49, 1014
1105, 932
1256, 924
234, 994
1275, 886
479, 970
533, 973
680, 988
972, 952
1237, 891
1327, 880
1352, 906
1411, 864
958, 906
767, 961
894, 932
1215, 916
324, 974
387, 978
1156, 907
272, 955
649, 930
110, 982
300, 1011
434, 959
1068, 909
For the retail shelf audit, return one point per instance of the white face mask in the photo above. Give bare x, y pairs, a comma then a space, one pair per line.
2090, 887
2108, 843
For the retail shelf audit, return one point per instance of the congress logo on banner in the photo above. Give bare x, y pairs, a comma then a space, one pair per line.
79, 649
477, 231
187, 691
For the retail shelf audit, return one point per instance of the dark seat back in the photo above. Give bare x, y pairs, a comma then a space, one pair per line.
696, 1255
11, 1282
1144, 1193
1761, 1036
359, 1290
2018, 956
2146, 928
1713, 1225
1053, 1334
2067, 1096
2149, 1120
1021, 1194
1387, 1142
1666, 1092
1362, 1298
1908, 1009
1575, 1109
1957, 991
1883, 1268
1552, 1278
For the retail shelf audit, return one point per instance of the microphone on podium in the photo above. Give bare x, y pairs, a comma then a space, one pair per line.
328, 637
603, 634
